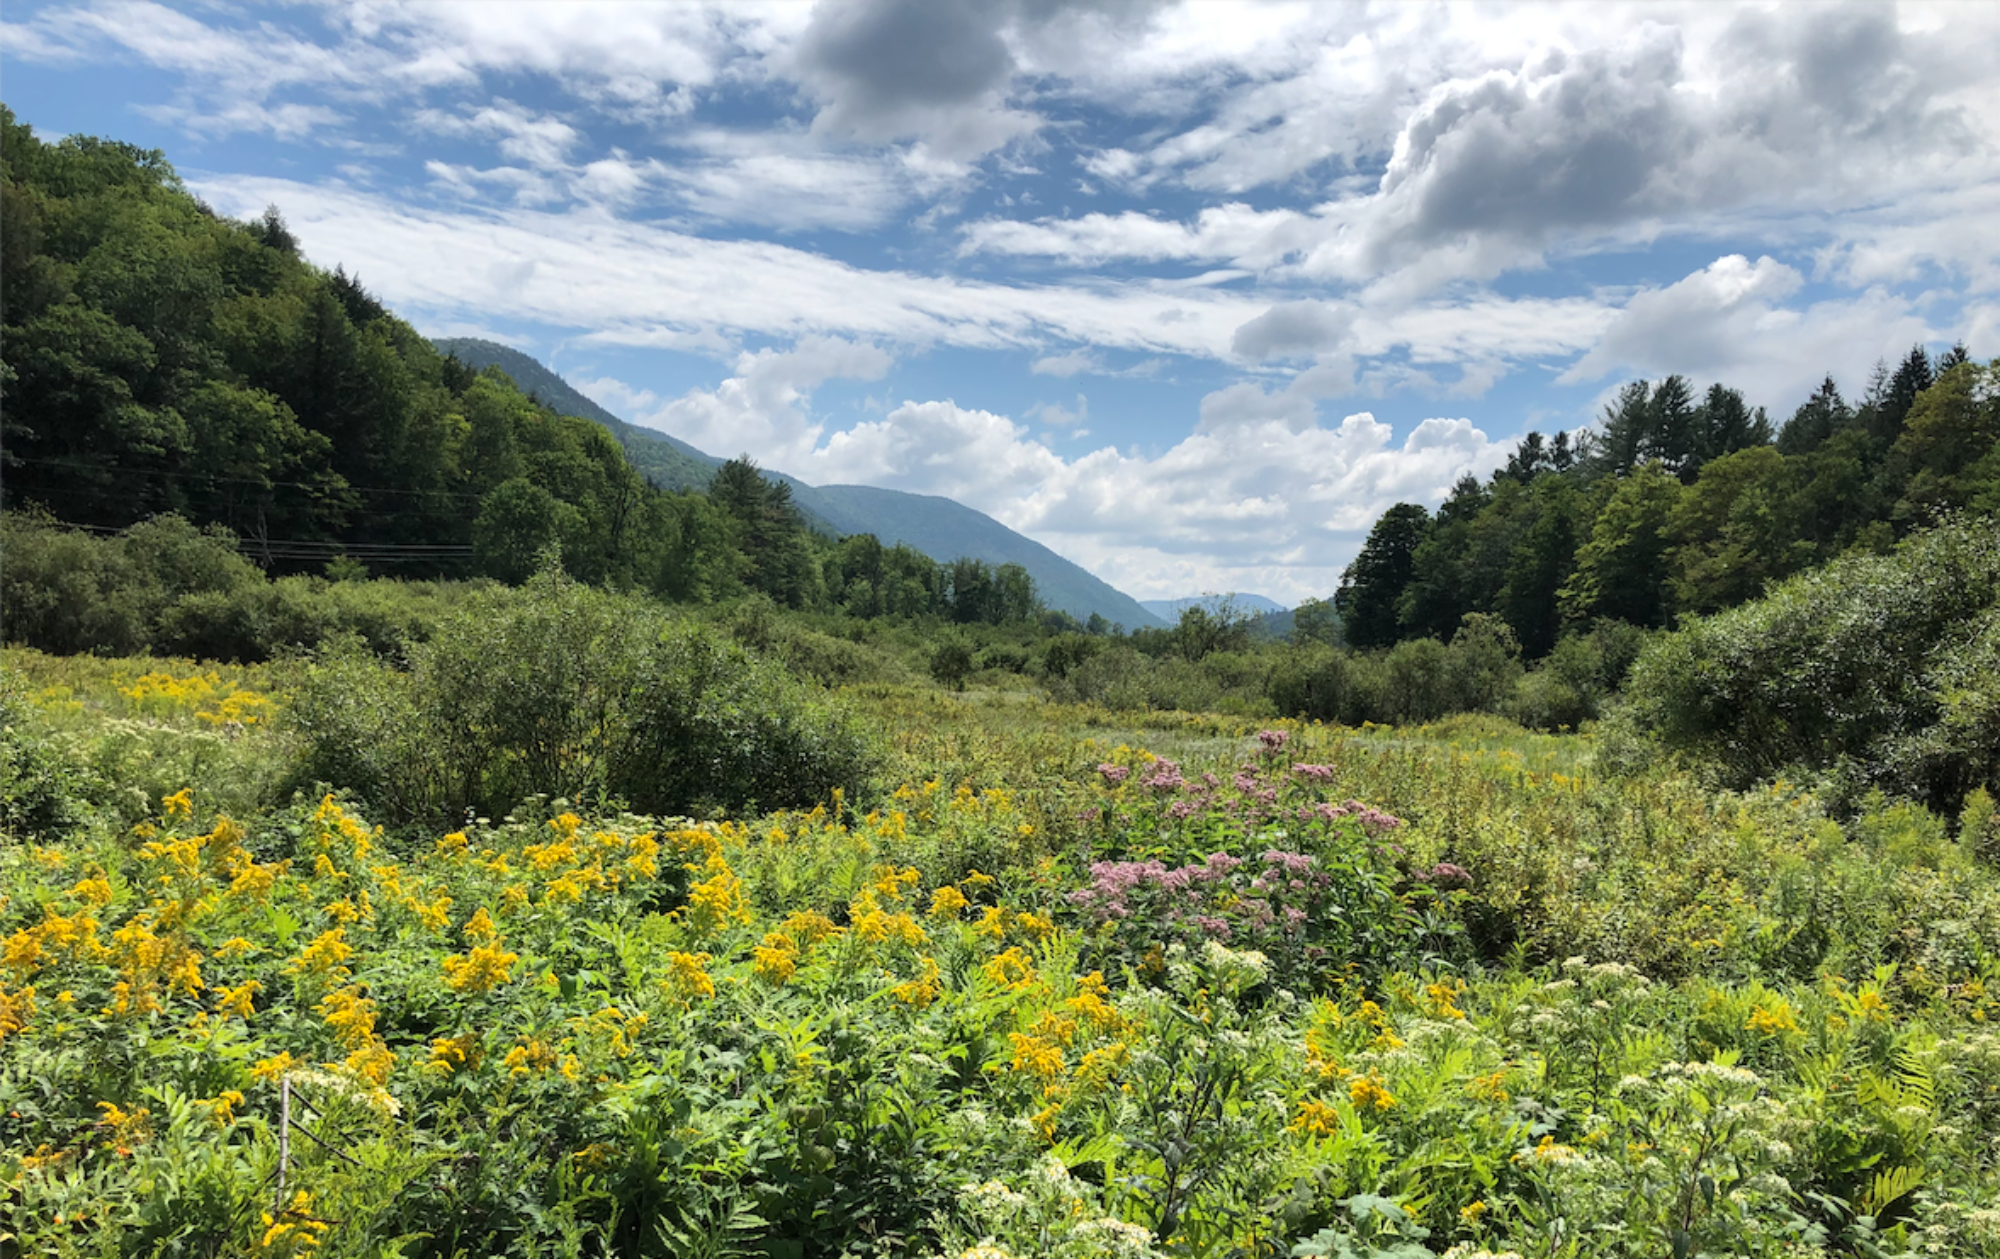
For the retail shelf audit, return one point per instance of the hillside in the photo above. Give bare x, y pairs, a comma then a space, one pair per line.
941, 527
938, 527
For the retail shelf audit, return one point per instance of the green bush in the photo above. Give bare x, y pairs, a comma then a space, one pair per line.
1876, 670
67, 592
557, 689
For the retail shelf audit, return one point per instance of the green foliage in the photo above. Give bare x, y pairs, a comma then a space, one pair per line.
44, 794
913, 1023
1876, 669
560, 690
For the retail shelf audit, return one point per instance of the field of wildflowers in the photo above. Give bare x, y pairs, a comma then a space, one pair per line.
1065, 982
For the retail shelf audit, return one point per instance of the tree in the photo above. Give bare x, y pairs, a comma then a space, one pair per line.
1554, 517
1372, 584
1315, 621
1948, 455
951, 663
1735, 529
1723, 424
1627, 422
1436, 596
1671, 437
1620, 572
518, 523
1817, 419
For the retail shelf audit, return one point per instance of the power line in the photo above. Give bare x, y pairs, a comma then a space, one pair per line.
171, 475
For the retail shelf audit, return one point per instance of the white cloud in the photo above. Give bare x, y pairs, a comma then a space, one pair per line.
1276, 502
1056, 415
1728, 322
541, 141
1067, 364
764, 409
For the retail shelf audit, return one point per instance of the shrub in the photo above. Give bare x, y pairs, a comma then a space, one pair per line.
1876, 669
557, 689
67, 592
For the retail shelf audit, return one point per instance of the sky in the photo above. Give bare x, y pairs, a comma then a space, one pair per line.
1188, 292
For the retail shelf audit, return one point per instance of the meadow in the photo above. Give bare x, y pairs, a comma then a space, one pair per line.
1058, 980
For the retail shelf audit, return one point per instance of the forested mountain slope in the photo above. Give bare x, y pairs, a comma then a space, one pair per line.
939, 527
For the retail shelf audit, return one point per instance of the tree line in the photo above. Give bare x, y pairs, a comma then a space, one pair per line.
1680, 503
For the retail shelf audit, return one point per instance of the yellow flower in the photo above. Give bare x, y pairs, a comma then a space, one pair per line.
1315, 1118
272, 1069
124, 1128
480, 930
324, 955
1036, 1057
1775, 1021
808, 927
351, 1016
95, 889
222, 1108
372, 1062
688, 976
1370, 1091
922, 990
16, 1009
1471, 1212
238, 1000
294, 1229
1011, 969
1034, 926
947, 902
454, 1053
485, 968
529, 1058
180, 804
716, 901
1440, 998
776, 959
1090, 1002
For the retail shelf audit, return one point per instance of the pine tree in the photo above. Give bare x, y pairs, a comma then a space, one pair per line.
1372, 584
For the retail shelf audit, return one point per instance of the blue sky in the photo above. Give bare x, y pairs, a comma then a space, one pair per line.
1188, 292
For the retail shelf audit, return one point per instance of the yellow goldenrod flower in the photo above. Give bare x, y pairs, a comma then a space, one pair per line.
486, 967
688, 976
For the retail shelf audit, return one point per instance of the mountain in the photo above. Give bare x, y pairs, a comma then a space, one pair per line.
944, 529
939, 527
1169, 610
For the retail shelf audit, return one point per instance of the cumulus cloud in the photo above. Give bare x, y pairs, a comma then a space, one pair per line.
1728, 322
1275, 500
763, 409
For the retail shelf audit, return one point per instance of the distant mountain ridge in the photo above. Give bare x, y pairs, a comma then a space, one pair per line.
1251, 605
939, 527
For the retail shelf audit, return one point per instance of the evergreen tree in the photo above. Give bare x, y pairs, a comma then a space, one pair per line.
1817, 419
1372, 584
